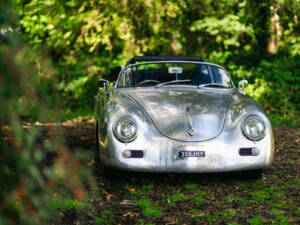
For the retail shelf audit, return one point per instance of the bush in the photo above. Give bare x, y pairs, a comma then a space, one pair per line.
34, 171
275, 84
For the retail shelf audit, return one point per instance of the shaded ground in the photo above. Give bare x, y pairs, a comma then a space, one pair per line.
136, 198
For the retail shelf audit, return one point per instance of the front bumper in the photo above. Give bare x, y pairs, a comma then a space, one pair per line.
162, 154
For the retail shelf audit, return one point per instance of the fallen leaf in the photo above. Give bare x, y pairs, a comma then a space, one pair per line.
78, 193
131, 214
20, 192
108, 196
127, 202
131, 189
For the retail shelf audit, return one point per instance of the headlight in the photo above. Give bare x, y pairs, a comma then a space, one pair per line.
125, 129
254, 128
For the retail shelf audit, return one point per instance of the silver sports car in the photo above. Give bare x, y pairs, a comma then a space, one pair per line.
180, 114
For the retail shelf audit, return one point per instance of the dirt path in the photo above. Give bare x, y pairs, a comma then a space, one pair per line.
136, 198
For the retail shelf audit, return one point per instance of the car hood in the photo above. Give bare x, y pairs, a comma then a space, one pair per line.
176, 112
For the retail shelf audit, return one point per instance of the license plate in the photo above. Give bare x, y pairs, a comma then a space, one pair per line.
192, 154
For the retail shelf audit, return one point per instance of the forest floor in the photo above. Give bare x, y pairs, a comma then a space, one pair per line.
229, 198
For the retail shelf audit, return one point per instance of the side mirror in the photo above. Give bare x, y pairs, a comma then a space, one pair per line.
243, 84
103, 83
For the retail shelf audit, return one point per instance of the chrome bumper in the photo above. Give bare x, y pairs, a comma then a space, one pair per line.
162, 154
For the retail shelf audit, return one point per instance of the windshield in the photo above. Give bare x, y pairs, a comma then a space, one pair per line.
163, 74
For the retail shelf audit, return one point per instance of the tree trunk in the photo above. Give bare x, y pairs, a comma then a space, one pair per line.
259, 16
275, 30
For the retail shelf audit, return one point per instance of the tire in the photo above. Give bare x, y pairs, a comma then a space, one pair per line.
98, 164
97, 137
253, 174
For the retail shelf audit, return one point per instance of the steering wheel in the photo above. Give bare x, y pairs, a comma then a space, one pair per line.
148, 81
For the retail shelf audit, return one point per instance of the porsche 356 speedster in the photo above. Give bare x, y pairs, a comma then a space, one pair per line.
180, 114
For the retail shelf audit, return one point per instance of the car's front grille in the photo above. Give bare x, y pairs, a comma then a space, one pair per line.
137, 154
245, 151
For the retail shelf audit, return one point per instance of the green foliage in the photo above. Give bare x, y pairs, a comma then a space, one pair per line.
275, 85
82, 40
151, 212
29, 179
191, 187
229, 213
198, 200
149, 208
234, 223
226, 31
105, 218
86, 38
67, 204
178, 197
255, 221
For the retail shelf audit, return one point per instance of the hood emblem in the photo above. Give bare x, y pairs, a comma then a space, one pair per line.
189, 118
191, 132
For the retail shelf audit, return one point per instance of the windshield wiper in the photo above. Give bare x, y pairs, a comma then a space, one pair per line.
212, 85
173, 81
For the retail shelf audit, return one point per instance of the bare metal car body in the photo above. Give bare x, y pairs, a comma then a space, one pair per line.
181, 127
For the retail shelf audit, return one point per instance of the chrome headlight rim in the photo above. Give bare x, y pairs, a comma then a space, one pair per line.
249, 136
117, 133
